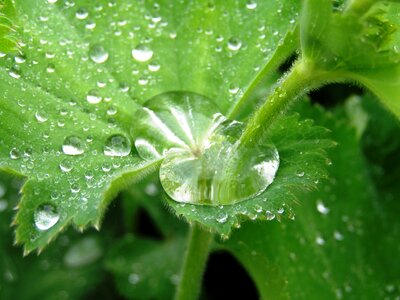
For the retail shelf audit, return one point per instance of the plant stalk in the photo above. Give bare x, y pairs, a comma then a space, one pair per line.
302, 77
194, 263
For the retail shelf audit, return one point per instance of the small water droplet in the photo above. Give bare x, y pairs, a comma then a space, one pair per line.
98, 54
222, 218
143, 80
14, 73
46, 216
51, 68
41, 117
111, 111
73, 145
322, 208
300, 173
19, 59
106, 167
75, 188
88, 175
154, 67
117, 145
269, 215
280, 211
133, 278
93, 97
151, 189
233, 89
142, 53
234, 44
173, 35
338, 236
14, 153
81, 14
251, 4
319, 240
66, 165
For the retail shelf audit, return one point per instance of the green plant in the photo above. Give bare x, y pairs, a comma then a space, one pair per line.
97, 98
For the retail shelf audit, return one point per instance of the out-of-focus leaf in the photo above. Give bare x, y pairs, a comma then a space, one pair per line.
146, 269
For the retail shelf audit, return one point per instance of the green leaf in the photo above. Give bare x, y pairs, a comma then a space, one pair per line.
385, 84
7, 20
84, 70
301, 148
73, 259
360, 43
146, 269
326, 252
35, 140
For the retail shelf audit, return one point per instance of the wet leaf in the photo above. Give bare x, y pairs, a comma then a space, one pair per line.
70, 98
73, 259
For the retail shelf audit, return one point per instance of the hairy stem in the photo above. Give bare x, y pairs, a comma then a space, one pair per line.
302, 77
283, 52
194, 263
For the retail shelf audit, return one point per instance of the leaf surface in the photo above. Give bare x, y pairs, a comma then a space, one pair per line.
85, 69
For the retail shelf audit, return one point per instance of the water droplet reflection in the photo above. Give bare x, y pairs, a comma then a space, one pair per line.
203, 160
45, 217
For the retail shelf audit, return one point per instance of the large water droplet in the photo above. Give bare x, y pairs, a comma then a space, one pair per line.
117, 145
142, 53
203, 160
46, 216
73, 145
98, 54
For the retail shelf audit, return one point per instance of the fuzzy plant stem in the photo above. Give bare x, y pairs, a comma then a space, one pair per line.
302, 77
194, 263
